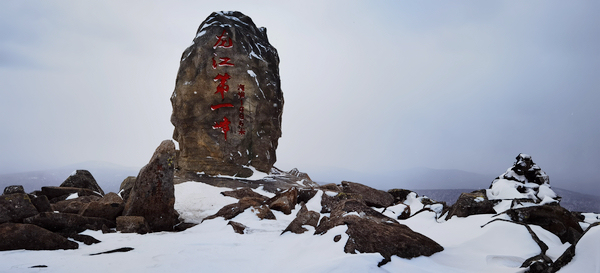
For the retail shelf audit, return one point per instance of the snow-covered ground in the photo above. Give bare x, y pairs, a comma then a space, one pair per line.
213, 246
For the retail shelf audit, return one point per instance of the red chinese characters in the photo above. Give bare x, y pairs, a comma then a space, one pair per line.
224, 41
223, 125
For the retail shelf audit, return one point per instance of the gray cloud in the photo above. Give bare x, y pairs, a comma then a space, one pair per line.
369, 86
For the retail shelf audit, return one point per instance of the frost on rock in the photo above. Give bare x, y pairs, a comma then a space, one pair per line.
523, 181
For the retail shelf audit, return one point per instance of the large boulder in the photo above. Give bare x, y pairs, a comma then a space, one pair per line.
74, 205
82, 179
370, 231
56, 194
31, 237
371, 196
227, 102
108, 207
16, 207
553, 218
132, 224
153, 195
285, 201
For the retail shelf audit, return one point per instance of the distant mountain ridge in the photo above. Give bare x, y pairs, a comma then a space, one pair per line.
108, 175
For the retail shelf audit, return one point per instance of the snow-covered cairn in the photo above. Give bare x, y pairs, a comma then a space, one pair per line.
524, 181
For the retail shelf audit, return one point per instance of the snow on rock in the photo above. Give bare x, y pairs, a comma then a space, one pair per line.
524, 180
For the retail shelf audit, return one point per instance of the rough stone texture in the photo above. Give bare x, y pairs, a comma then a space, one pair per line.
399, 195
132, 224
82, 179
553, 218
371, 196
304, 195
237, 227
67, 222
126, 186
74, 205
263, 212
233, 210
470, 204
371, 231
405, 213
16, 207
108, 207
284, 201
41, 203
244, 192
14, 189
31, 237
56, 194
303, 217
329, 202
228, 51
153, 195
330, 187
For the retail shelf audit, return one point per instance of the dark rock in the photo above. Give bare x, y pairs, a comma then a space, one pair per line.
31, 237
232, 210
237, 227
399, 195
67, 222
41, 203
553, 218
263, 212
244, 192
371, 196
239, 124
74, 205
122, 249
14, 189
329, 202
284, 201
39, 266
108, 207
82, 179
337, 238
295, 172
303, 217
153, 195
370, 231
304, 195
471, 204
16, 207
56, 194
126, 186
405, 213
132, 224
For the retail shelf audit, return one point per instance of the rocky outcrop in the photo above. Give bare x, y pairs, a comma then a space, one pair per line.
82, 179
74, 205
227, 102
370, 232
153, 195
232, 210
371, 196
16, 207
15, 236
237, 227
399, 195
471, 204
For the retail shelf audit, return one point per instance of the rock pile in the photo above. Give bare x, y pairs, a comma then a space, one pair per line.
227, 102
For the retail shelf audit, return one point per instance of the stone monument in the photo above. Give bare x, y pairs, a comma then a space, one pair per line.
227, 102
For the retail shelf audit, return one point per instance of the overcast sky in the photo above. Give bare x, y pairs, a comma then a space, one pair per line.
370, 86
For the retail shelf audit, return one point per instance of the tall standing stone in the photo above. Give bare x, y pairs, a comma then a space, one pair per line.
153, 194
227, 102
